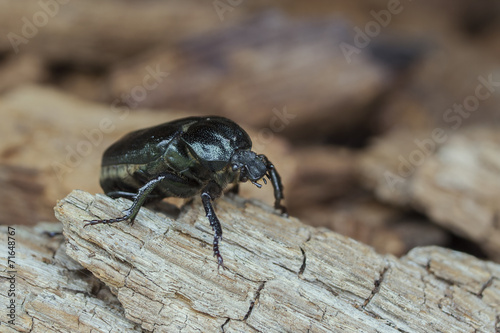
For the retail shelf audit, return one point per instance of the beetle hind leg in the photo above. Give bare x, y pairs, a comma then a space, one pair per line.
139, 199
131, 195
120, 194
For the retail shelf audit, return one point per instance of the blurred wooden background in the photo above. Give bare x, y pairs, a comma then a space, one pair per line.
381, 116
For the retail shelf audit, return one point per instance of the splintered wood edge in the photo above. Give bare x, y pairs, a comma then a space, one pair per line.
53, 293
281, 275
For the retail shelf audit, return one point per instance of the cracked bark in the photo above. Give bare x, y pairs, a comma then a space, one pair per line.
53, 292
255, 300
377, 284
304, 262
160, 276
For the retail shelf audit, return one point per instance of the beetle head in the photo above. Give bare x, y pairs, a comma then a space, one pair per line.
250, 165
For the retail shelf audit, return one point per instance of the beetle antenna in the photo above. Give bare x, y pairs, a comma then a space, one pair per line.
256, 184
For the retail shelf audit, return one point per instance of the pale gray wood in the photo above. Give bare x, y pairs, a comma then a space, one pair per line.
455, 182
53, 292
282, 276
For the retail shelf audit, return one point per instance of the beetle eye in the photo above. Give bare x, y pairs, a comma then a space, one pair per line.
243, 179
235, 167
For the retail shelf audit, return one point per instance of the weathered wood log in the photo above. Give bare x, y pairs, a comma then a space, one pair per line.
52, 292
281, 274
452, 177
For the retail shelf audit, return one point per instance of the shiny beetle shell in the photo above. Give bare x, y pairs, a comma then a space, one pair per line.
183, 158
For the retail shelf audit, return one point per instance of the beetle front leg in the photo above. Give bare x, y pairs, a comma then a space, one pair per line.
275, 178
208, 195
132, 211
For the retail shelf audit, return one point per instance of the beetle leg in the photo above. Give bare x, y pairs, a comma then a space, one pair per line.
139, 199
208, 195
275, 178
131, 196
120, 194
53, 233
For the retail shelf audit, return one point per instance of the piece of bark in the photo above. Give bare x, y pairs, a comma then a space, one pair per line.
459, 186
53, 293
281, 275
455, 181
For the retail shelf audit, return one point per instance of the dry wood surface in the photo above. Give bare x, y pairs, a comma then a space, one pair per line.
455, 182
281, 276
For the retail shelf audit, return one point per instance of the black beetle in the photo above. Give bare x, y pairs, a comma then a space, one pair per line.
182, 158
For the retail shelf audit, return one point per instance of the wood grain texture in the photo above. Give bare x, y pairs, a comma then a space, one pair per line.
54, 293
455, 182
281, 276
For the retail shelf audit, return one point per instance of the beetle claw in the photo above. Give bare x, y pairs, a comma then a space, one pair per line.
107, 221
282, 208
220, 262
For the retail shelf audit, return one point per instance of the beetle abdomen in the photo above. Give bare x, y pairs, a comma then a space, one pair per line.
131, 177
120, 178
